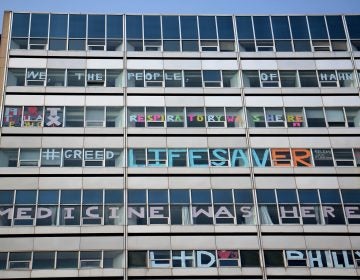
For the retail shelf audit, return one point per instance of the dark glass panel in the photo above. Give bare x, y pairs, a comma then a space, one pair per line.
6, 197
133, 27
189, 27
243, 196
179, 196
70, 196
225, 27
25, 197
152, 28
308, 196
58, 26
299, 28
170, 27
114, 196
20, 26
353, 24
335, 27
158, 196
48, 197
92, 197
351, 196
286, 196
77, 26
262, 27
39, 25
200, 196
137, 196
207, 27
96, 26
114, 27
317, 27
265, 196
244, 27
222, 196
281, 27
330, 196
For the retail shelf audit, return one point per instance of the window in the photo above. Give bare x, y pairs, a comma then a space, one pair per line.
113, 78
74, 117
114, 31
3, 260
215, 117
346, 78
331, 206
90, 259
288, 206
300, 33
114, 208
43, 260
94, 157
212, 78
327, 78
207, 28
67, 259
113, 158
192, 78
134, 33
280, 27
114, 117
351, 199
155, 116
228, 258
315, 117
50, 157
234, 117
70, 204
113, 259
158, 206
55, 77
289, 78
251, 78
154, 78
335, 117
180, 207
95, 117
92, 201
343, 157
35, 77
152, 33
275, 117
245, 33
195, 117
137, 259
75, 78
295, 117
269, 78
250, 258
170, 33
353, 117
20, 31
19, 260
189, 33
225, 33
16, 77
223, 206
256, 117
135, 78
336, 33
156, 157
136, 117
244, 207
96, 32
137, 157
33, 116
12, 116
29, 157
263, 33
58, 32
308, 78
310, 207
137, 210
77, 32
322, 157
296, 258
48, 202
173, 78
95, 78
9, 157
274, 258
175, 117
39, 31
230, 78
54, 117
267, 207
201, 207
25, 204
72, 157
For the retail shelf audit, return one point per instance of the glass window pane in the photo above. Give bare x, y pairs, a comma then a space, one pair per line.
92, 197
67, 259
353, 24
212, 78
353, 117
175, 117
96, 26
137, 259
12, 116
192, 78
308, 78
3, 260
137, 196
20, 25
308, 196
335, 116
77, 26
289, 78
39, 25
249, 258
6, 197
207, 27
134, 27
74, 117
335, 27
50, 157
222, 196
244, 27
114, 197
195, 117
179, 196
200, 196
9, 157
317, 27
55, 77
315, 117
225, 27
29, 157
113, 78
243, 196
25, 197
43, 260
76, 78
158, 196
70, 196
275, 117
274, 258
280, 27
48, 197
299, 28
256, 117
54, 117
170, 27
58, 26
330, 196
113, 259
189, 27
351, 196
114, 27
262, 27
322, 157
265, 196
152, 29
286, 196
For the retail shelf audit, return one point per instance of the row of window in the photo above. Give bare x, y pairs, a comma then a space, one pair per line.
184, 33
261, 157
244, 258
180, 78
61, 260
179, 207
99, 116
56, 157
180, 157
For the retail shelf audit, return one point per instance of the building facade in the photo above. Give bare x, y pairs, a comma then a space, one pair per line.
180, 146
